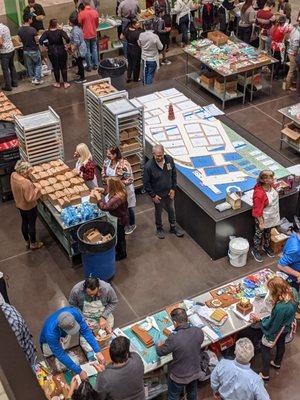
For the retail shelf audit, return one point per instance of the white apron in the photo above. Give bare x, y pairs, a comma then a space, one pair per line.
90, 184
271, 211
109, 170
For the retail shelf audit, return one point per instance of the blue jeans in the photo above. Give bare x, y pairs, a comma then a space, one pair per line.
175, 390
92, 52
33, 64
149, 71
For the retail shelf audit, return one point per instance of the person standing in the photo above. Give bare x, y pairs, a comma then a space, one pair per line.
293, 50
278, 34
234, 379
124, 378
127, 10
85, 165
115, 202
150, 45
56, 335
116, 165
78, 48
247, 19
182, 9
264, 19
7, 52
184, 344
132, 34
266, 213
276, 327
54, 40
26, 196
20, 329
160, 182
89, 20
38, 14
163, 10
32, 55
97, 300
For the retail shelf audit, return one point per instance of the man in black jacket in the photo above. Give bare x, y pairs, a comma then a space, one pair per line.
160, 181
185, 345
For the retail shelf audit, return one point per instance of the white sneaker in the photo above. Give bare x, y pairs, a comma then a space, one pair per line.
130, 229
38, 82
166, 62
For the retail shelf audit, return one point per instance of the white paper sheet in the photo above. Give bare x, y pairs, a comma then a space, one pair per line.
169, 92
185, 105
148, 97
156, 111
172, 131
89, 369
178, 99
213, 110
268, 162
262, 157
153, 121
274, 167
160, 136
174, 143
215, 140
199, 142
210, 130
255, 152
193, 128
179, 151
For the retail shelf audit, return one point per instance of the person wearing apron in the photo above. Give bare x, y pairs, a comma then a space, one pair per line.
85, 165
266, 213
116, 165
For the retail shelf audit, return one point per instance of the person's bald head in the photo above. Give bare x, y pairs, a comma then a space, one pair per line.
158, 152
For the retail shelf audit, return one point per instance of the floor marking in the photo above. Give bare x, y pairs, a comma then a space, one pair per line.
126, 301
267, 115
142, 211
16, 255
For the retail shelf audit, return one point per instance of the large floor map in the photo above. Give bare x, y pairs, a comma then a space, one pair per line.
210, 154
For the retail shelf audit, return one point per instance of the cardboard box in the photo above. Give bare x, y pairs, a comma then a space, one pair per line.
208, 79
291, 132
234, 200
277, 242
92, 236
217, 37
219, 85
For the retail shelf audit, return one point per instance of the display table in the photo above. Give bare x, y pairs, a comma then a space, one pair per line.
195, 203
65, 235
288, 136
246, 72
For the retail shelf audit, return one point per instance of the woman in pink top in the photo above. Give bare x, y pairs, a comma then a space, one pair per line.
278, 32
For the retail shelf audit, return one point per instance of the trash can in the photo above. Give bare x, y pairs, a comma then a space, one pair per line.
98, 260
238, 250
114, 69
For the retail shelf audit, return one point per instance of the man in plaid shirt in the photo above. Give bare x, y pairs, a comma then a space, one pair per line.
20, 329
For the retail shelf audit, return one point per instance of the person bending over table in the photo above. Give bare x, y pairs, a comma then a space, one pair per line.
185, 345
266, 213
234, 379
289, 262
278, 325
123, 379
56, 335
160, 181
97, 300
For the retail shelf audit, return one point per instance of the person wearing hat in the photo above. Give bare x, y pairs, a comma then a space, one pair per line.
26, 196
56, 335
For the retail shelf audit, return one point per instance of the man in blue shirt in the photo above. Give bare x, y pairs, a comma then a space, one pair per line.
63, 322
235, 380
289, 262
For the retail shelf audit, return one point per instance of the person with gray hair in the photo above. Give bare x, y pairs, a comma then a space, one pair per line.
26, 196
235, 380
160, 181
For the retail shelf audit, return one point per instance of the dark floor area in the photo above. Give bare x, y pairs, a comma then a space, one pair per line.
156, 272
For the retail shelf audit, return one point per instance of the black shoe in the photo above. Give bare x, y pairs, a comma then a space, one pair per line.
88, 69
128, 80
257, 256
14, 85
269, 252
120, 257
7, 89
95, 67
160, 233
176, 231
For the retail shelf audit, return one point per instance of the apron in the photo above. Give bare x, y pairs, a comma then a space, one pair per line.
109, 170
90, 184
271, 211
131, 199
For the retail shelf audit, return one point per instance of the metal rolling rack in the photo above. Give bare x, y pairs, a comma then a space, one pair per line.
94, 111
123, 125
40, 137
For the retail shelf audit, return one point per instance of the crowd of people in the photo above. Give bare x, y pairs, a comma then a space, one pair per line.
92, 303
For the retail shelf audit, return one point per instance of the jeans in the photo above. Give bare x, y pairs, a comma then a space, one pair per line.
169, 205
175, 390
184, 24
244, 33
259, 234
33, 64
28, 224
149, 71
92, 52
79, 63
9, 70
131, 216
266, 354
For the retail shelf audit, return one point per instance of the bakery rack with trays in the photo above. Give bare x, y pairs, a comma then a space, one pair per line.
94, 111
40, 137
121, 116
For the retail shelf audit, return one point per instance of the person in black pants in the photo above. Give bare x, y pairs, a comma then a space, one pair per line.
53, 39
78, 47
132, 35
160, 181
7, 53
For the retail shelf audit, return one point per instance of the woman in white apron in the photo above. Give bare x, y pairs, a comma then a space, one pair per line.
116, 165
266, 213
85, 165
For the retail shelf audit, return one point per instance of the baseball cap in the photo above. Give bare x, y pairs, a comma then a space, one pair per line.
68, 323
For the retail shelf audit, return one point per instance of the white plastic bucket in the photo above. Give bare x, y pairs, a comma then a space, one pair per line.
238, 250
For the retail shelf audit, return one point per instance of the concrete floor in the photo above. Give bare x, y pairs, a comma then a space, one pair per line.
156, 272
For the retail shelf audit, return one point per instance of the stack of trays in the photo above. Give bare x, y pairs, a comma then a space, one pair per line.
40, 137
96, 94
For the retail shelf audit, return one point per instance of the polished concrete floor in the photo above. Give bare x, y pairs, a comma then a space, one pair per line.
156, 272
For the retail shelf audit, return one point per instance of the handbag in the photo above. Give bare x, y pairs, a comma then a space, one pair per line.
270, 343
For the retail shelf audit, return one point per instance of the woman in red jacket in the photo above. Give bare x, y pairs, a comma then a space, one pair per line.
266, 213
85, 165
